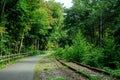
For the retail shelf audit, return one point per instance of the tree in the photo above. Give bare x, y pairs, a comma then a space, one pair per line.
56, 30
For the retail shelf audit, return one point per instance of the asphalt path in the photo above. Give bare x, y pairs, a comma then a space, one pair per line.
22, 70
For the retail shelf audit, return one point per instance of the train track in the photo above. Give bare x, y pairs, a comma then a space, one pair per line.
99, 71
89, 72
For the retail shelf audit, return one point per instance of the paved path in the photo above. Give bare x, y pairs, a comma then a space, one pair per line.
22, 70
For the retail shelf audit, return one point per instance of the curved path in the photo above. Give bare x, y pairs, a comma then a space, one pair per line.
22, 70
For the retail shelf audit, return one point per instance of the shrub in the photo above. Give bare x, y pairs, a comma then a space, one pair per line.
76, 51
111, 55
59, 53
84, 52
80, 47
68, 53
36, 52
94, 57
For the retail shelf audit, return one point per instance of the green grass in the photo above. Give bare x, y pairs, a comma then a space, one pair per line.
56, 79
115, 72
46, 68
59, 79
84, 72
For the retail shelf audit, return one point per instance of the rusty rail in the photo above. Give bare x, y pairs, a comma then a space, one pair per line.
98, 70
116, 77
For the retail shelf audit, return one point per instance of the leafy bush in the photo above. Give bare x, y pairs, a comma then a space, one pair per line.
111, 56
84, 52
80, 47
59, 79
68, 53
59, 53
94, 57
75, 52
36, 52
3, 49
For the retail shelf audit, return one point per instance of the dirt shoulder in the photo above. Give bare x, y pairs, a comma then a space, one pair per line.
50, 69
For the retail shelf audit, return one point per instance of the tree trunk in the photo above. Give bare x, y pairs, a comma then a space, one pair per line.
35, 44
100, 31
1, 36
2, 11
93, 33
1, 40
21, 42
38, 44
17, 47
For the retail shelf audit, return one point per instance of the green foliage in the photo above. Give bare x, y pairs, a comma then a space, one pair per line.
81, 51
59, 53
56, 30
84, 52
94, 57
59, 79
36, 52
99, 23
84, 34
77, 50
28, 24
111, 57
3, 49
80, 46
68, 52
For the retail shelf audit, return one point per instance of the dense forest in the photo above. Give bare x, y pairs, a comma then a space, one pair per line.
92, 33
27, 25
88, 32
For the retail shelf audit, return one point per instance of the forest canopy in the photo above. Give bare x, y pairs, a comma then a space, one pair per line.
27, 25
